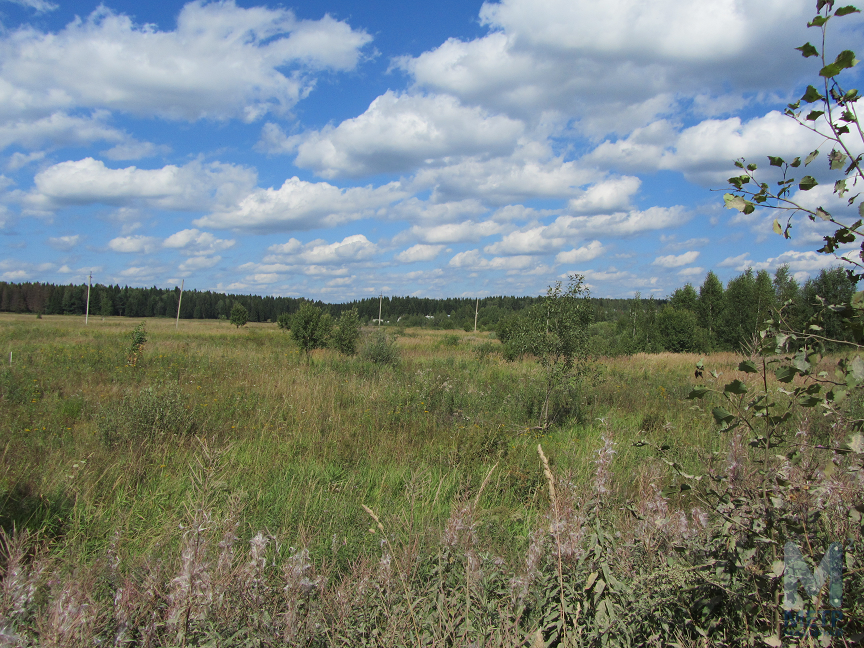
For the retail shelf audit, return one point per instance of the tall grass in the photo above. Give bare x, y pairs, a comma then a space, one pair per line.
216, 491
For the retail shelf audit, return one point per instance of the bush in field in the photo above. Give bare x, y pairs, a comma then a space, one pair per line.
555, 331
346, 334
136, 344
239, 315
284, 321
149, 415
380, 349
450, 340
310, 328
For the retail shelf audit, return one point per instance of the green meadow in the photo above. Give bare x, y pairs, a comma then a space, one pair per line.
221, 487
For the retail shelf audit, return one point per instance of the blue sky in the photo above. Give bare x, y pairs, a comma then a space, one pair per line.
336, 149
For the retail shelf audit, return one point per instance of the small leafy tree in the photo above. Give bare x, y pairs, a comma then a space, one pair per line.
346, 335
239, 315
284, 321
310, 328
136, 344
678, 330
555, 331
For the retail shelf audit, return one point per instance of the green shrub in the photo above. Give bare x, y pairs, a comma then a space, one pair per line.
450, 340
146, 416
380, 349
239, 315
311, 328
484, 350
136, 344
346, 335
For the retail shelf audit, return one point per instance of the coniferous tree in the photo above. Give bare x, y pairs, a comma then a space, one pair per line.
740, 317
711, 304
685, 298
764, 297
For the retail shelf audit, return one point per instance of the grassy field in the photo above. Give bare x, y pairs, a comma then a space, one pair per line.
217, 441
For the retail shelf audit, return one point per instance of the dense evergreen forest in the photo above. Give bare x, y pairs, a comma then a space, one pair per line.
708, 318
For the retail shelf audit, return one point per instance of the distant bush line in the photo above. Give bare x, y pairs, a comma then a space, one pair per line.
697, 320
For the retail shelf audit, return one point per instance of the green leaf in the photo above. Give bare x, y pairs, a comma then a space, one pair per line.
818, 21
697, 392
785, 374
722, 415
813, 155
813, 115
840, 187
807, 50
795, 163
845, 11
735, 202
736, 387
831, 70
809, 401
821, 213
777, 228
748, 366
811, 95
775, 161
837, 395
837, 159
801, 364
807, 183
846, 59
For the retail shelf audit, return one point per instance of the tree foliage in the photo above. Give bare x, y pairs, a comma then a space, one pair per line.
830, 112
310, 328
239, 315
346, 334
555, 331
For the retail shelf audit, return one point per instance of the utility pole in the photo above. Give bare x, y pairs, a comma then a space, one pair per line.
179, 301
87, 312
476, 310
380, 300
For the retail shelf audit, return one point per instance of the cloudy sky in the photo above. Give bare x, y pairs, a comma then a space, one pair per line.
336, 149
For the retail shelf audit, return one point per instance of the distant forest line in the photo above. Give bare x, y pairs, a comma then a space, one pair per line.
706, 318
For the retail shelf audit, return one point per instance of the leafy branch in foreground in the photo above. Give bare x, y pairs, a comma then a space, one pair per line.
834, 118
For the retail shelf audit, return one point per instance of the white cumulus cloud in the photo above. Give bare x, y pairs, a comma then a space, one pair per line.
222, 61
192, 187
398, 133
64, 242
419, 252
676, 261
136, 244
580, 255
196, 242
298, 204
